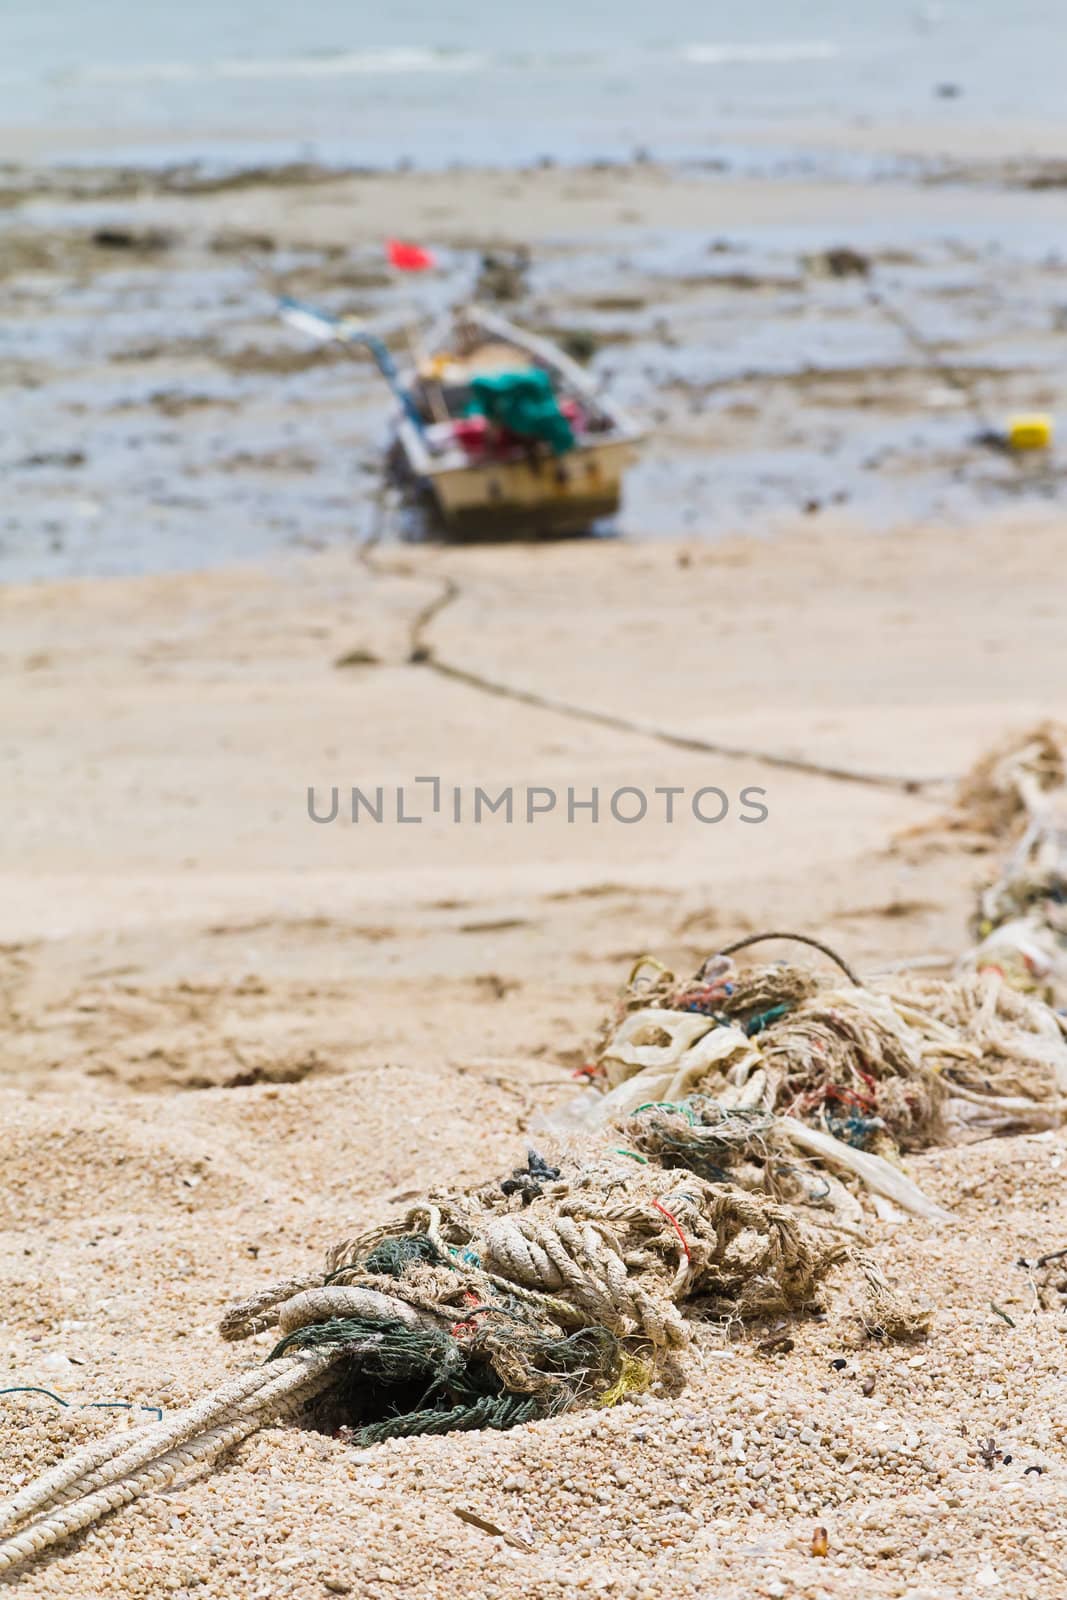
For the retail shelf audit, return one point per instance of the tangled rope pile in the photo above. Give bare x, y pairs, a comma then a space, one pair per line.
736, 1072
475, 1310
1009, 784
733, 1072
750, 1098
999, 1053
1019, 792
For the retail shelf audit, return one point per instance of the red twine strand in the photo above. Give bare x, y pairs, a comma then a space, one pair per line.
674, 1224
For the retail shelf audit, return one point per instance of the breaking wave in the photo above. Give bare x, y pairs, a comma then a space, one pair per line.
724, 55
404, 62
356, 63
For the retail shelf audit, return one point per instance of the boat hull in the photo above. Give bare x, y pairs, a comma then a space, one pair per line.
525, 498
531, 492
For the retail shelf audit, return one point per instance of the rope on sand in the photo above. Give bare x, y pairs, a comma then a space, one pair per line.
565, 1284
1020, 925
797, 938
421, 652
675, 741
477, 1309
724, 1071
111, 1473
106, 1462
870, 1071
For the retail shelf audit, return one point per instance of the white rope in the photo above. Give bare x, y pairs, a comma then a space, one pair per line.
254, 1315
108, 1460
320, 1305
561, 1255
74, 1468
161, 1470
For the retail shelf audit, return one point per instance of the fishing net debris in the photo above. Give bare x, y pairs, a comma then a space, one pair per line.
474, 1310
735, 1125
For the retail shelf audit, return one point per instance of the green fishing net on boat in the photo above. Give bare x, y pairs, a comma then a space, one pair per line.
524, 403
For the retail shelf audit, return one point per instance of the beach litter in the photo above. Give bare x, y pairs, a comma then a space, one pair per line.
479, 1309
1018, 792
1030, 431
718, 1162
744, 1073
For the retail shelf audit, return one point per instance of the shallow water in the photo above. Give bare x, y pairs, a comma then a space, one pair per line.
156, 415
471, 82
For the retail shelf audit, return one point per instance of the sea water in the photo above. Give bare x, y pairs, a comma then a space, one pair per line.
440, 81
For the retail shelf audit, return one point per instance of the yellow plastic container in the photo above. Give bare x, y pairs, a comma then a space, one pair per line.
1032, 431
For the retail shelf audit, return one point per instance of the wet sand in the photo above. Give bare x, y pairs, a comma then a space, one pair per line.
825, 342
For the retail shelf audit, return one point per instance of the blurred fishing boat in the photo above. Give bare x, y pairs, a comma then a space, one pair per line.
511, 436
498, 430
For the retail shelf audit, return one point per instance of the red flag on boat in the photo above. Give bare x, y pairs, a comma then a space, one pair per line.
408, 257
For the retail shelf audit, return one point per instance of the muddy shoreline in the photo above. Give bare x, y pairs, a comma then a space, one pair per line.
157, 416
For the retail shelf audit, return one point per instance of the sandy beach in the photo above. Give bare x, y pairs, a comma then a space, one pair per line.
231, 1034
269, 967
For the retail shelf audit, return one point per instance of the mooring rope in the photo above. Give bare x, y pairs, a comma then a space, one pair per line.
108, 1461
422, 652
153, 1468
563, 1284
502, 1314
